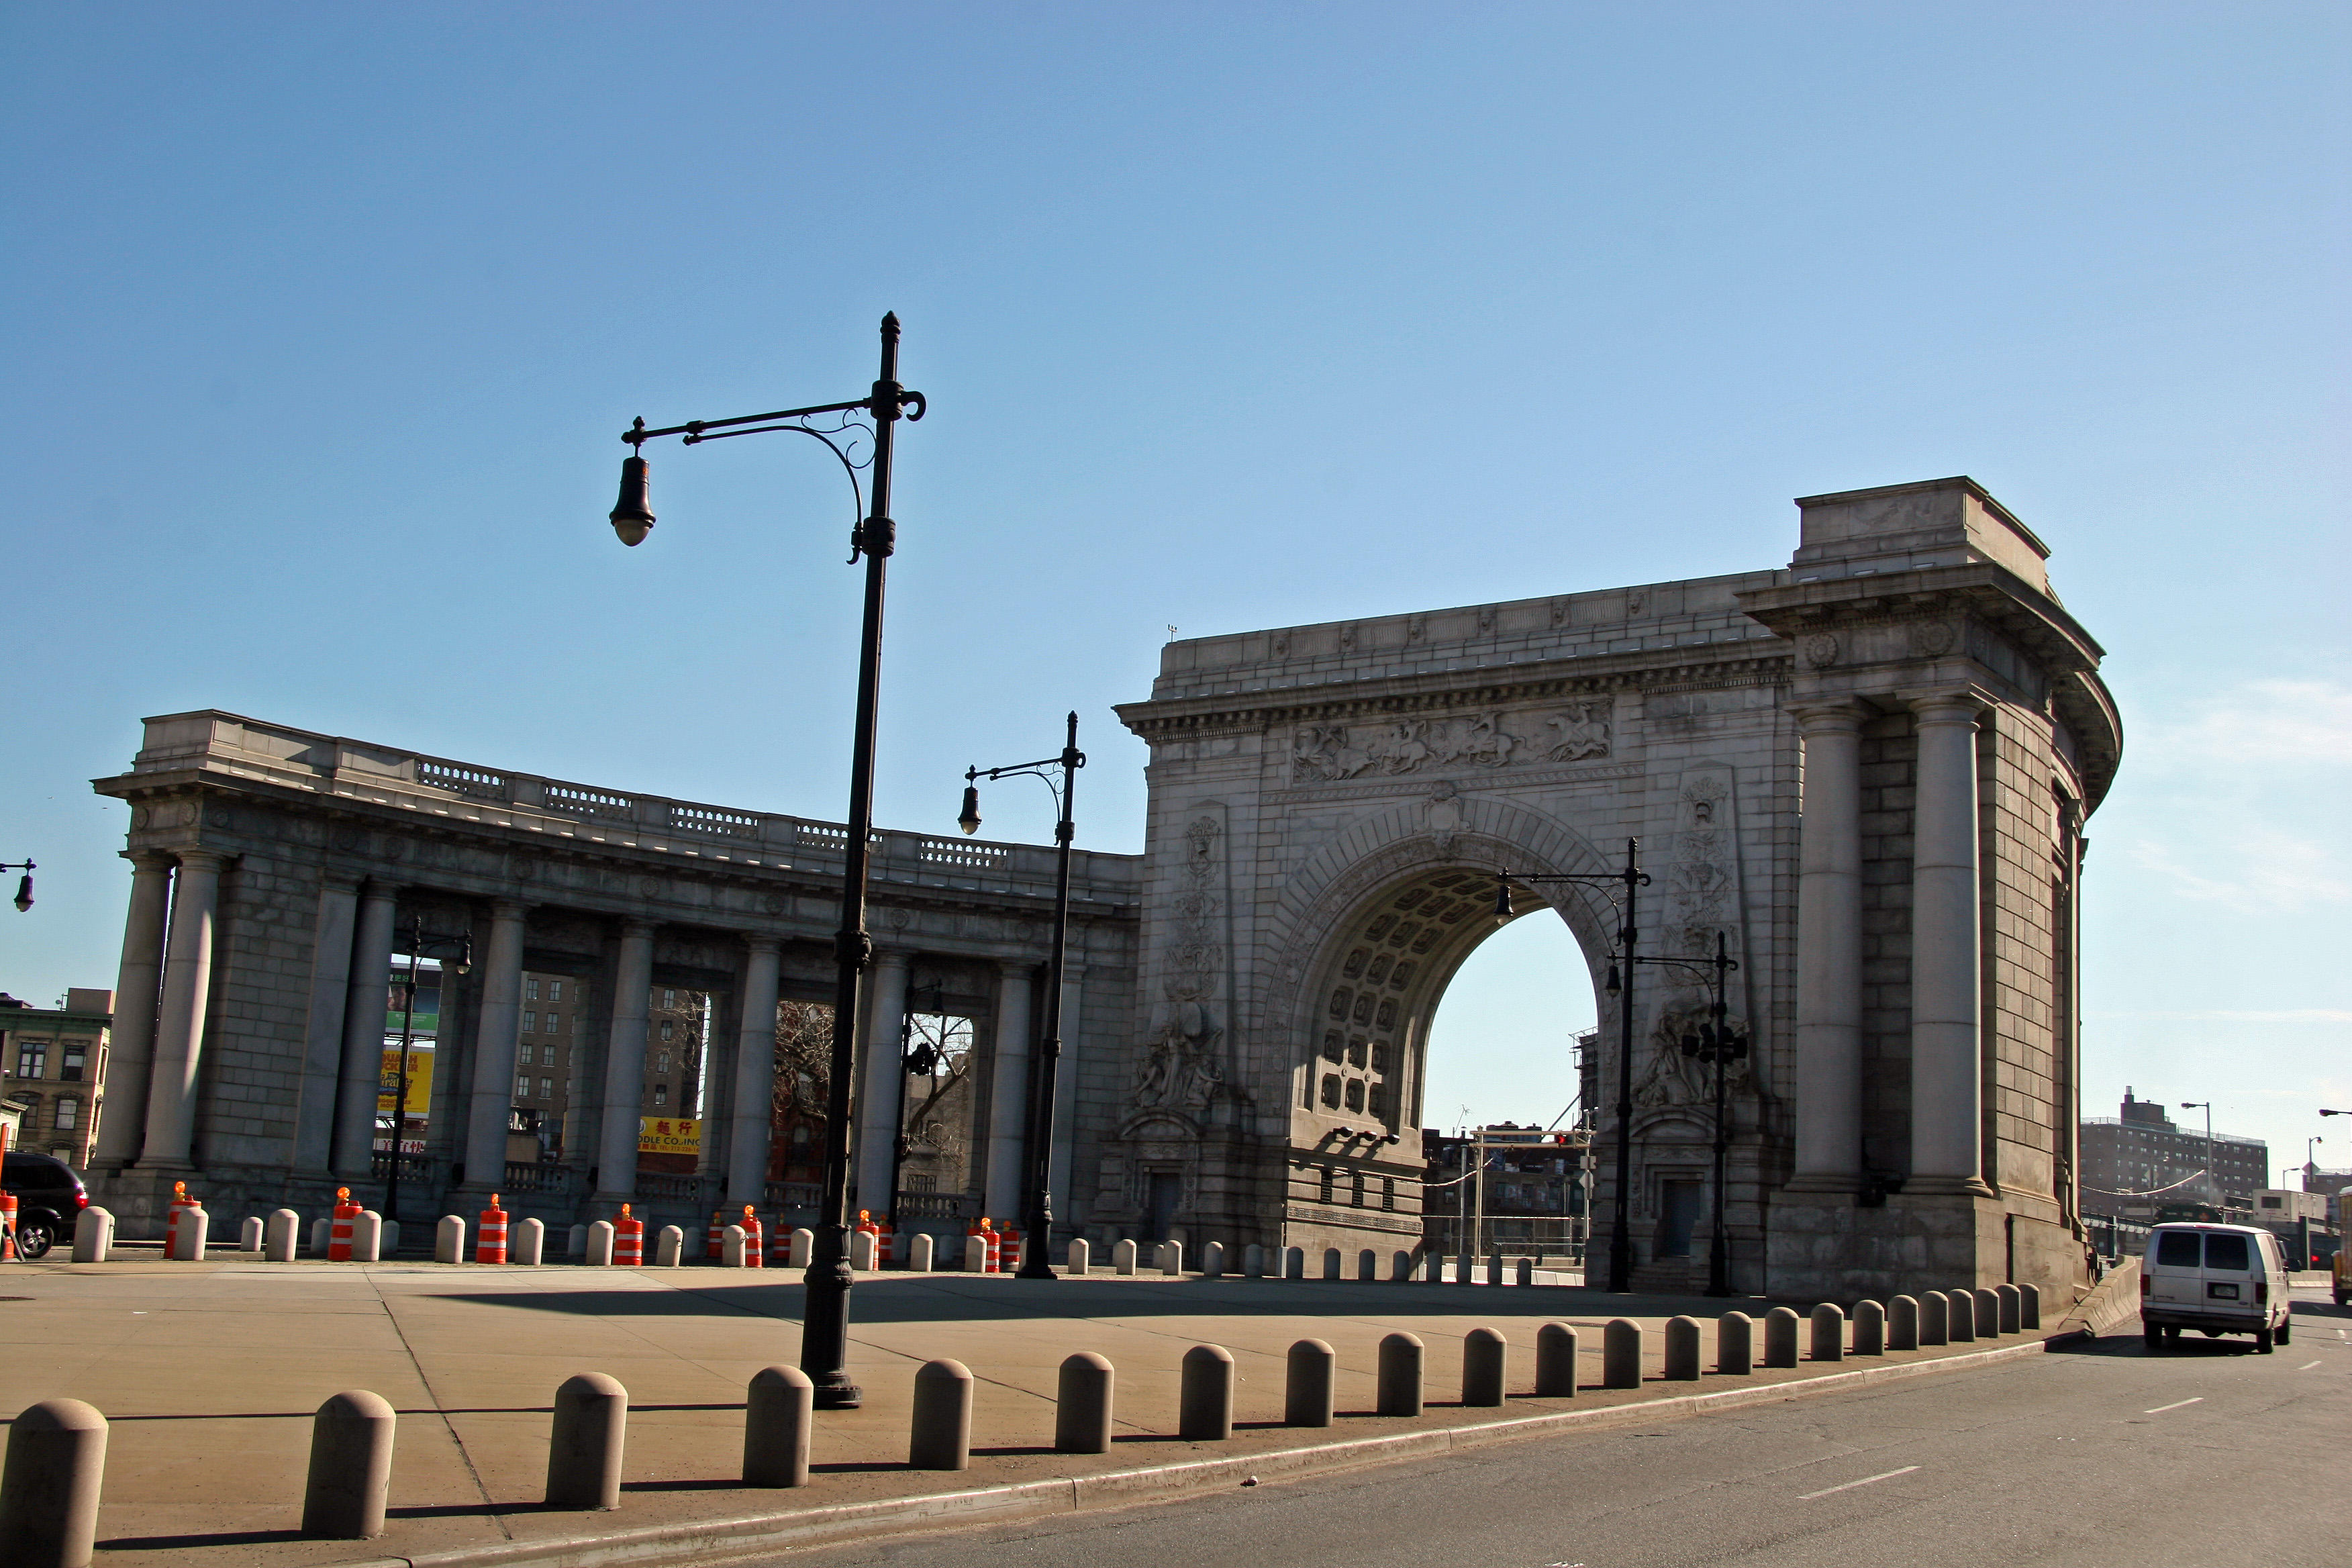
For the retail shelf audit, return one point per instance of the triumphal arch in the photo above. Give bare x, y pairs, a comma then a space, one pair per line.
1865, 774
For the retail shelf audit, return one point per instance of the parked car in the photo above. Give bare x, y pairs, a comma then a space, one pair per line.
2216, 1278
49, 1198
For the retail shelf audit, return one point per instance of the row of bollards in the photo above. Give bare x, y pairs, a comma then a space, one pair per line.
57, 1450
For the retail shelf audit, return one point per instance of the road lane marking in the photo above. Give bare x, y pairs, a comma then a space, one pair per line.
2307, 1366
2174, 1405
1865, 1480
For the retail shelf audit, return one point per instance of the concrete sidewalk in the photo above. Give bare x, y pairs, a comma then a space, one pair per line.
210, 1373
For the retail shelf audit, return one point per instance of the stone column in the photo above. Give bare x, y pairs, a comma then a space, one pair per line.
1946, 973
180, 1017
1829, 953
322, 1038
490, 1100
1066, 1090
883, 1078
755, 1074
366, 1000
123, 1125
625, 1065
1008, 1094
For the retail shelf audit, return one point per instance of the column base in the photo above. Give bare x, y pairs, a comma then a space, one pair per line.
1824, 1183
1947, 1186
1825, 1249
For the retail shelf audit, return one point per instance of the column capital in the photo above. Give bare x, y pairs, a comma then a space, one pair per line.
147, 860
1830, 716
341, 880
760, 941
509, 910
388, 892
1950, 705
1018, 968
645, 928
893, 957
205, 859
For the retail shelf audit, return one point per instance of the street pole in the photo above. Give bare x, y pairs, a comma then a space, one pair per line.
825, 1322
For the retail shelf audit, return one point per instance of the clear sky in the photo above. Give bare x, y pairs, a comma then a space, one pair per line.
322, 322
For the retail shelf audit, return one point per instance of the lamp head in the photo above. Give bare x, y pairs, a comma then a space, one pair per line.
25, 892
1614, 985
1502, 899
465, 961
632, 515
969, 820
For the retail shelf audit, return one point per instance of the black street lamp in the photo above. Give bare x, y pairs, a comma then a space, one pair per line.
1717, 1043
25, 886
825, 1322
1038, 1220
1632, 879
461, 951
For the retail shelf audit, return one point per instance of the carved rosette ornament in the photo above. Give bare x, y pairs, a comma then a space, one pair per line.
1933, 640
1821, 649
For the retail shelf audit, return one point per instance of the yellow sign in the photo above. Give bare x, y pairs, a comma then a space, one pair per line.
669, 1135
420, 1081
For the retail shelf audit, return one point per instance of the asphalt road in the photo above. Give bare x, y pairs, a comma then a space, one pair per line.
2104, 1457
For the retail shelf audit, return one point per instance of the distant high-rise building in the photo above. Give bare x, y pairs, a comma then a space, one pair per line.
2135, 1163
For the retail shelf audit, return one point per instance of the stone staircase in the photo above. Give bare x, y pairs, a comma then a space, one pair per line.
1669, 1277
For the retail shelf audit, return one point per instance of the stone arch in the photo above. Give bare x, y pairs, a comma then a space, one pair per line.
1362, 965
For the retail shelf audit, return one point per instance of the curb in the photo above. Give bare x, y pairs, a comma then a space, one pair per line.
718, 1539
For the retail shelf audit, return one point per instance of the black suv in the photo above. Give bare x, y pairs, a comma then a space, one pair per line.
49, 1198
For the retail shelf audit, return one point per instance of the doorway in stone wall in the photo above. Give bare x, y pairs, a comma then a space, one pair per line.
1164, 1191
1679, 1200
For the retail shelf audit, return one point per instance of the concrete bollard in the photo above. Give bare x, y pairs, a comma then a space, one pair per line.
669, 1248
1122, 1256
1213, 1260
526, 1250
1869, 1329
2029, 1303
1935, 1318
322, 1231
1308, 1384
1334, 1265
1960, 1306
1555, 1361
280, 1233
1734, 1344
1621, 1354
1780, 1336
598, 1253
48, 1492
1494, 1268
1526, 1272
1368, 1267
975, 1254
919, 1253
1486, 1364
1903, 1323
1254, 1261
1294, 1263
1400, 1383
941, 1436
449, 1239
1829, 1331
1432, 1268
861, 1251
1083, 1402
575, 1244
1400, 1266
350, 1466
189, 1238
800, 1248
2012, 1308
250, 1235
367, 1236
1988, 1305
1171, 1259
391, 1239
1205, 1401
1466, 1271
777, 1425
1081, 1258
731, 1243
586, 1442
93, 1235
1682, 1349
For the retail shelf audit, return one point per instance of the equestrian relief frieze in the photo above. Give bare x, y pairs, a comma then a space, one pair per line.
1577, 732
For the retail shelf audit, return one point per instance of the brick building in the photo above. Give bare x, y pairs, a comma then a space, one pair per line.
2135, 1163
53, 1061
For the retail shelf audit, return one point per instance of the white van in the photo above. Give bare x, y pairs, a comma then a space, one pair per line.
2222, 1278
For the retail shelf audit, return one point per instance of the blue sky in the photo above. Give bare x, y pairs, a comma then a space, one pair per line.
322, 322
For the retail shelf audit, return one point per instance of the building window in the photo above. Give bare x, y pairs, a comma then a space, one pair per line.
32, 1059
661, 1061
523, 1086
661, 1094
1388, 1194
573, 1027
531, 989
76, 1059
668, 1028
555, 989
527, 1051
530, 1022
68, 1114
547, 1088
669, 998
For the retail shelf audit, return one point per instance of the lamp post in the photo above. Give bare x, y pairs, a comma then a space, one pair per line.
1717, 1044
2222, 1198
825, 1322
461, 961
1632, 879
1038, 1221
25, 888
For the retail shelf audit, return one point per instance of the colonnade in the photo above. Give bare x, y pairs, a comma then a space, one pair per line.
1945, 971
